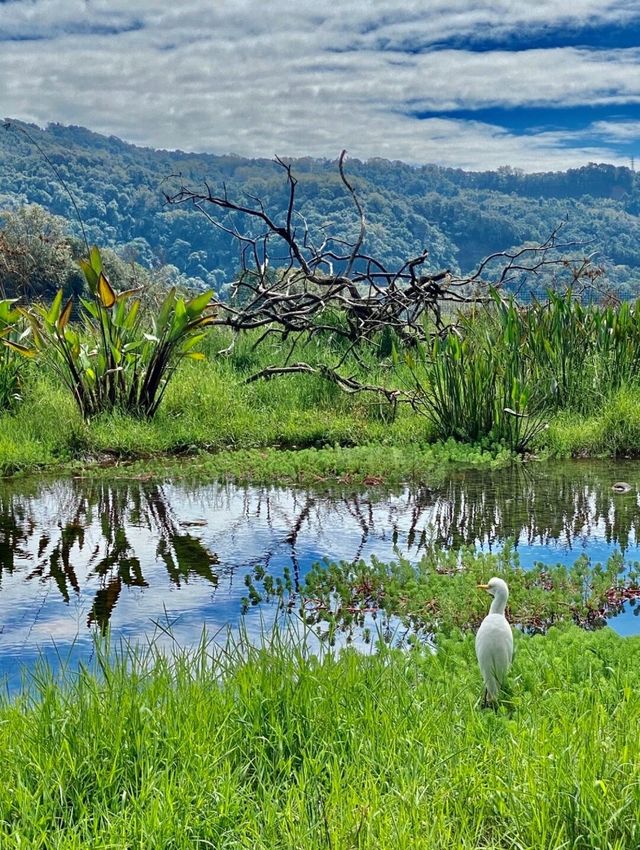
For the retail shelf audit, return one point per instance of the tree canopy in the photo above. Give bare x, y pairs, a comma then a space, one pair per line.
458, 217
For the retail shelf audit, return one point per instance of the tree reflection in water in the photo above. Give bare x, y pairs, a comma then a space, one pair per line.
95, 537
115, 511
542, 503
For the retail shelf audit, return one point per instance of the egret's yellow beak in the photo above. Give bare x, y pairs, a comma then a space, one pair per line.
482, 586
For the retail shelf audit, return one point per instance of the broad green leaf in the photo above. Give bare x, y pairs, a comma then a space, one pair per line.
90, 307
197, 304
90, 275
132, 346
191, 342
130, 320
54, 311
166, 308
95, 259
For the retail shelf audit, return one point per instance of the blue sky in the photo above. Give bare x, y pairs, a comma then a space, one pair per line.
535, 85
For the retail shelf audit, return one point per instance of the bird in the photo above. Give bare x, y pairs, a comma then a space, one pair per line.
494, 641
621, 487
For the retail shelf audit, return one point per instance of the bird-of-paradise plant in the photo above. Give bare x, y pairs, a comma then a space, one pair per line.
115, 358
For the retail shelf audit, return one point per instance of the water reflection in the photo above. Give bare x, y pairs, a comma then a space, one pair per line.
77, 553
553, 504
77, 531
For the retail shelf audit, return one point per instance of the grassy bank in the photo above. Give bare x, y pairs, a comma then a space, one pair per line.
277, 749
209, 408
209, 413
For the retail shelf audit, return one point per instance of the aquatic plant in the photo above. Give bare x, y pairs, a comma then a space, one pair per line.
503, 370
439, 594
476, 383
114, 361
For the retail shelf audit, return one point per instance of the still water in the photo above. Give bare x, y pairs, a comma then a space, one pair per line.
78, 556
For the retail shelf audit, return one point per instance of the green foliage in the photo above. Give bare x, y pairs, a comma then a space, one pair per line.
581, 354
12, 336
37, 254
480, 384
277, 747
359, 466
613, 430
209, 407
508, 367
113, 363
459, 216
439, 594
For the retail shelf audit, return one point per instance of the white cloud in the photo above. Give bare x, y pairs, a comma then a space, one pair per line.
616, 131
259, 79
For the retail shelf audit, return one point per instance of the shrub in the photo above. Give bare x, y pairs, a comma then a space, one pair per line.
115, 359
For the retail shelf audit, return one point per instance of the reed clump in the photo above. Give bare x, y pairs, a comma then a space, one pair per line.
505, 370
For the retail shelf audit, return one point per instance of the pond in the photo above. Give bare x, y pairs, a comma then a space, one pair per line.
78, 556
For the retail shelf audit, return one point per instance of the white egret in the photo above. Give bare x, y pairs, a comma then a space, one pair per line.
494, 641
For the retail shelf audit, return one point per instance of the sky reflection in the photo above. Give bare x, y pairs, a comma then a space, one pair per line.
77, 557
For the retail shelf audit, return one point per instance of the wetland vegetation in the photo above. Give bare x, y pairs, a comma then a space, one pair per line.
365, 378
578, 397
277, 746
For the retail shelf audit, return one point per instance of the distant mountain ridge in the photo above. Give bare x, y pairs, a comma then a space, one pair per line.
458, 216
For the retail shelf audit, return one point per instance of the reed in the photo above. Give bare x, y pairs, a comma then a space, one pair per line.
505, 370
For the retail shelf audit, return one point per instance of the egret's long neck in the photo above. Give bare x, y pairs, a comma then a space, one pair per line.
499, 602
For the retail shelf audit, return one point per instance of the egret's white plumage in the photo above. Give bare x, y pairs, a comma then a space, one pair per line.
494, 641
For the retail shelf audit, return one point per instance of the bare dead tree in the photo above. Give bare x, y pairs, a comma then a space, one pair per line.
321, 283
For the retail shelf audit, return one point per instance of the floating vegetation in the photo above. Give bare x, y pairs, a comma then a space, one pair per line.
438, 595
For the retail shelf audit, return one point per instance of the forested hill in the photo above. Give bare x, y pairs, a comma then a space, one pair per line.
459, 216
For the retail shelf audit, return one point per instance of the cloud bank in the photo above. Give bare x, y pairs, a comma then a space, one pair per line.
311, 78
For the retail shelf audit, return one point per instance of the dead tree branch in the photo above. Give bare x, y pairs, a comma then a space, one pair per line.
293, 283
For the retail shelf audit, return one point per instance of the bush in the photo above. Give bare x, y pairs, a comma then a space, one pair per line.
116, 360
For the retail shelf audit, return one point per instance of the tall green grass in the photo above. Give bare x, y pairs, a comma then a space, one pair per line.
506, 369
207, 407
276, 748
